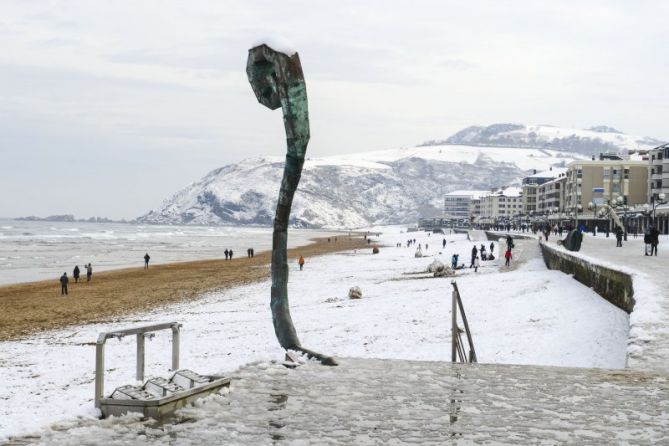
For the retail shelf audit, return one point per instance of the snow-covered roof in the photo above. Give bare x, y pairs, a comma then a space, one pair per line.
474, 194
553, 173
511, 191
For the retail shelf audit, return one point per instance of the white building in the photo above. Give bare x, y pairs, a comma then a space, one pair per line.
461, 205
501, 205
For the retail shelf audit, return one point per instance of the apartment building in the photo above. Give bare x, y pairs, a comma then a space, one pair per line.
501, 205
602, 181
658, 181
531, 185
462, 205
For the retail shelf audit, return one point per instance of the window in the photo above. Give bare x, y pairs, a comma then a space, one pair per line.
607, 173
659, 169
626, 174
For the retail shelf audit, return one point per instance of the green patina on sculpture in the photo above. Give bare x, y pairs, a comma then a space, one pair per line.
277, 81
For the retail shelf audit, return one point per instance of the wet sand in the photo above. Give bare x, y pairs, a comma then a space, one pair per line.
28, 308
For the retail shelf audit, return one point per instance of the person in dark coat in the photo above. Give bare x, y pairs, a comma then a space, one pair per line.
76, 273
230, 254
63, 284
654, 240
443, 243
492, 247
619, 237
227, 254
646, 241
509, 242
474, 253
147, 257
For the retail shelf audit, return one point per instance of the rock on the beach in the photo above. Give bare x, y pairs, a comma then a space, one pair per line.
355, 293
435, 266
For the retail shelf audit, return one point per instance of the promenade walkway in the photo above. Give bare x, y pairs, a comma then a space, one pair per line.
648, 343
390, 402
649, 322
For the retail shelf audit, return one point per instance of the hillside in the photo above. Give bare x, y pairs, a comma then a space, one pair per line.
348, 191
587, 142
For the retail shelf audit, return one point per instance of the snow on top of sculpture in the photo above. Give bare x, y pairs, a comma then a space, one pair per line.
278, 43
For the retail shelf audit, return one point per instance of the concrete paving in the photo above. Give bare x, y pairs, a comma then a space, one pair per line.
389, 402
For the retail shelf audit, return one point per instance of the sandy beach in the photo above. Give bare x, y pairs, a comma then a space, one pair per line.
27, 308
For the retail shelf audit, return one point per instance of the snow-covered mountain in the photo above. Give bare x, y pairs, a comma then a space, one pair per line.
383, 187
386, 187
588, 142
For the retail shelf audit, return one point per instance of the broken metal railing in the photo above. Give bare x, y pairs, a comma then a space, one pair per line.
457, 346
142, 333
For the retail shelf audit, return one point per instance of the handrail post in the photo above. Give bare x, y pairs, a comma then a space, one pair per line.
176, 332
140, 356
99, 369
454, 327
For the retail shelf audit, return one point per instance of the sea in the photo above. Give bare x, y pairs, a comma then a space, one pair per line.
40, 250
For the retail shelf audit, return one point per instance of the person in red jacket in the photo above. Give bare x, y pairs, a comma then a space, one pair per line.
508, 256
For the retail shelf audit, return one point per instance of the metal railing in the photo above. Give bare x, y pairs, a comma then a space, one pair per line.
142, 333
457, 347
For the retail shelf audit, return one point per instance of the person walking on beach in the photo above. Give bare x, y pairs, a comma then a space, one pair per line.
230, 254
619, 237
508, 256
147, 257
654, 240
509, 242
443, 243
227, 254
301, 262
646, 241
474, 253
63, 284
89, 272
75, 274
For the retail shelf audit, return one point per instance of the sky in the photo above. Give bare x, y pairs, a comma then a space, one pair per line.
108, 107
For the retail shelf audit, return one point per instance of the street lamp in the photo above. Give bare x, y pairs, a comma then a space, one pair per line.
655, 201
593, 207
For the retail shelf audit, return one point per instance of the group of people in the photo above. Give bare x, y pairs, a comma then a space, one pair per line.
228, 254
479, 254
250, 253
76, 274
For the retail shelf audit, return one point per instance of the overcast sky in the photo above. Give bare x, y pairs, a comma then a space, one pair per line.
109, 107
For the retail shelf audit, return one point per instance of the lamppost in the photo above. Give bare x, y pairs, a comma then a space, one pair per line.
575, 212
655, 201
593, 207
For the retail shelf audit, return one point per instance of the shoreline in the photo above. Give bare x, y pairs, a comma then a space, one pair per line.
32, 307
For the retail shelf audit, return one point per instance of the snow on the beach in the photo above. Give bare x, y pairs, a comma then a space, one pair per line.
526, 316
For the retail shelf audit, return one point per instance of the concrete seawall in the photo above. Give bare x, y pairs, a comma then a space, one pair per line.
612, 285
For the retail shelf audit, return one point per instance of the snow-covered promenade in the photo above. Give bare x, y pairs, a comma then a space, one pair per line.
649, 322
528, 315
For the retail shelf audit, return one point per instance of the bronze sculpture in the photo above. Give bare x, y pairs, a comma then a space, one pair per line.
277, 81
